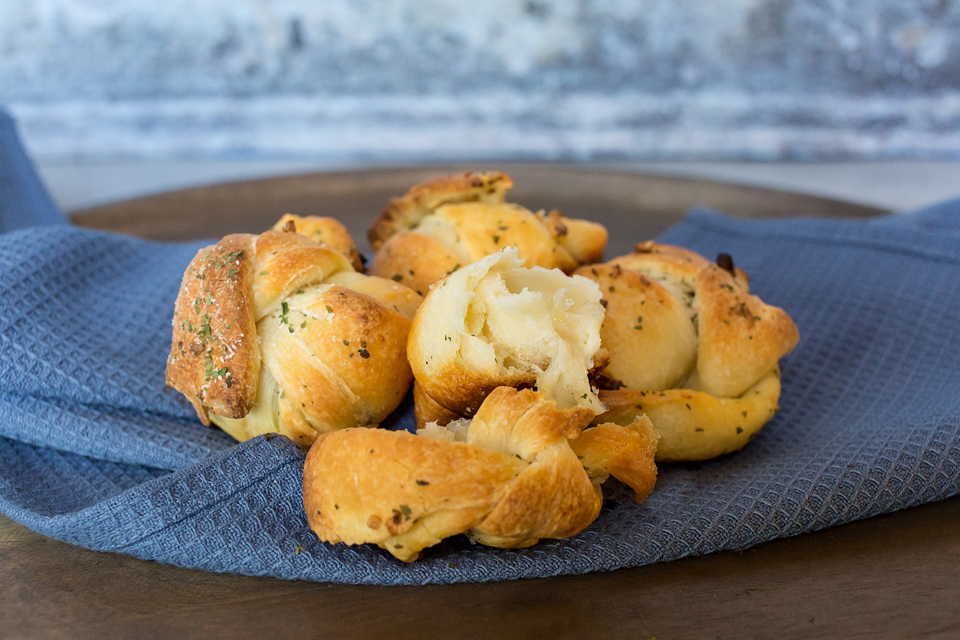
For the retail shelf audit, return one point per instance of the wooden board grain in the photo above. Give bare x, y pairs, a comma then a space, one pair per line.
888, 577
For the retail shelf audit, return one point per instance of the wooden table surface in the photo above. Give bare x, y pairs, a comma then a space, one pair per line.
893, 576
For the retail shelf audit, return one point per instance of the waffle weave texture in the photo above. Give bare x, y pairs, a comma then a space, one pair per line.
96, 451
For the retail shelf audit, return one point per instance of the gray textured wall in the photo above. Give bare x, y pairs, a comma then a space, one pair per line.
400, 79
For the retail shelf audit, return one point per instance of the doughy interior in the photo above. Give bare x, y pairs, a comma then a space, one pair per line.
455, 431
541, 322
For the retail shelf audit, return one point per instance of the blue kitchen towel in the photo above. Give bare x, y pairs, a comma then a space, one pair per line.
95, 450
23, 200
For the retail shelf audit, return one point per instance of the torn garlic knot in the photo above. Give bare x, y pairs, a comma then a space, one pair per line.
495, 323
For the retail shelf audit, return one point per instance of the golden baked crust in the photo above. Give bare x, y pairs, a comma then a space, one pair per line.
415, 260
277, 333
214, 356
405, 212
513, 479
687, 336
583, 239
447, 223
694, 425
741, 338
625, 451
427, 410
494, 323
642, 316
328, 231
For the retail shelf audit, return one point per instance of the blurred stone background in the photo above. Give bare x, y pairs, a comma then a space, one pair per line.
362, 81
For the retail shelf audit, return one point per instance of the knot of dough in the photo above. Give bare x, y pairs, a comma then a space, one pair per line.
690, 346
277, 333
447, 223
514, 474
495, 323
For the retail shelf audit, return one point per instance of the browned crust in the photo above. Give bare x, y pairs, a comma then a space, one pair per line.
214, 356
336, 354
555, 223
677, 262
419, 260
414, 260
516, 481
403, 213
390, 294
287, 262
553, 498
649, 334
694, 425
485, 228
585, 240
716, 339
525, 422
328, 231
625, 452
428, 410
369, 485
456, 389
738, 337
741, 337
474, 205
340, 361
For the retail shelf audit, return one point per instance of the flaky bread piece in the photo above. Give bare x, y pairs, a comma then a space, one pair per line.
687, 336
507, 478
328, 231
447, 223
495, 323
278, 333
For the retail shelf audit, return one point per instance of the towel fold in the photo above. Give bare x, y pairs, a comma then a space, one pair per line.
23, 200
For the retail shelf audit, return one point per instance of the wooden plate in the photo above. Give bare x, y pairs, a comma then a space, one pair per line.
636, 206
888, 577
